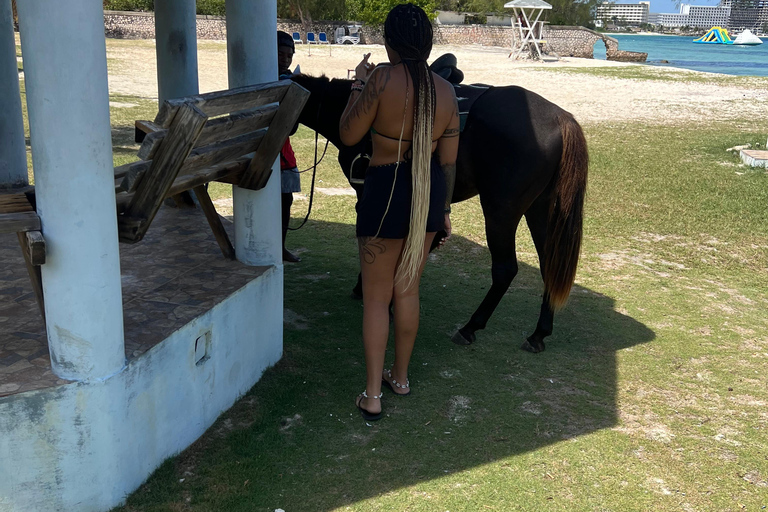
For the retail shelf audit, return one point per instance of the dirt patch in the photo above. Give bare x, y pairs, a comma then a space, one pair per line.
294, 320
458, 408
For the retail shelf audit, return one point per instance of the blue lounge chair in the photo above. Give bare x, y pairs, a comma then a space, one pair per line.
297, 38
323, 38
311, 38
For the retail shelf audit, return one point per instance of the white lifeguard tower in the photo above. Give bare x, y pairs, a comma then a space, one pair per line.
528, 25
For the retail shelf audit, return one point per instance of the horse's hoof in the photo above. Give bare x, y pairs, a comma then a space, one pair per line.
460, 339
534, 347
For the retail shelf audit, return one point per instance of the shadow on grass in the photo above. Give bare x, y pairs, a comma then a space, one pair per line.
296, 442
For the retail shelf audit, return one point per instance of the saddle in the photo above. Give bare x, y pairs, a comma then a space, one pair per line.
446, 66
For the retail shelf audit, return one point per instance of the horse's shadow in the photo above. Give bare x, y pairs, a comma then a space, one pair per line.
470, 406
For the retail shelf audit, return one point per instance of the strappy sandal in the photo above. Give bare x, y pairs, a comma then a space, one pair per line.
392, 384
368, 415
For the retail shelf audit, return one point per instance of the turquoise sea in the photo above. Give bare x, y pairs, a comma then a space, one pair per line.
681, 52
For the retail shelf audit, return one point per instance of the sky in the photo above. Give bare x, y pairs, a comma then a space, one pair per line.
669, 5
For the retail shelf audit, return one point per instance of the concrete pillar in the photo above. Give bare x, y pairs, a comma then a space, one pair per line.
252, 59
13, 156
65, 65
176, 47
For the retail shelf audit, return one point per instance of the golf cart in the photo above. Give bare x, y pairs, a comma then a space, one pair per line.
348, 34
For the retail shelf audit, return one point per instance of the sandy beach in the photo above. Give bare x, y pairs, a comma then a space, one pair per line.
663, 95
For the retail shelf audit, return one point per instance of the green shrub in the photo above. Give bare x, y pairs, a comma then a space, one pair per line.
211, 7
129, 5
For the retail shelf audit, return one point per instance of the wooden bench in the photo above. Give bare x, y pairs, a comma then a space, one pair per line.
233, 136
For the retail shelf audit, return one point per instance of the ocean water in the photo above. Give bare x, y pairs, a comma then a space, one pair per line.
681, 52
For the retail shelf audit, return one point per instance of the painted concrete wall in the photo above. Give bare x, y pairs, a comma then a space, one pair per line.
85, 446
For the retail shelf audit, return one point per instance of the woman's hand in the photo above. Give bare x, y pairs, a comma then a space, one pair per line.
448, 230
363, 70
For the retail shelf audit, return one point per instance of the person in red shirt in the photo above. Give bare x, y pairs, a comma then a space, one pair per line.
289, 172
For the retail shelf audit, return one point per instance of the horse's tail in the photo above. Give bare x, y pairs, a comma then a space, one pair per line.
566, 214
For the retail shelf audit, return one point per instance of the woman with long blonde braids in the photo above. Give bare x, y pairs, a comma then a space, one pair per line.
414, 121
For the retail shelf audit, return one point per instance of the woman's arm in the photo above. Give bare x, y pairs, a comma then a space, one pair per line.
361, 107
447, 149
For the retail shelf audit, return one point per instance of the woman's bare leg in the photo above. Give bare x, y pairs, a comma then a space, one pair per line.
406, 305
378, 262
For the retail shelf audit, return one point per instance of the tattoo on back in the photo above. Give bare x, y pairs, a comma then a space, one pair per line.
370, 247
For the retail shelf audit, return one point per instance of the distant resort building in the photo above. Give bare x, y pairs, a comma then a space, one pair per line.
735, 15
747, 14
626, 14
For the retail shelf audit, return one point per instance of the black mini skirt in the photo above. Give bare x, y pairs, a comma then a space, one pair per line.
373, 217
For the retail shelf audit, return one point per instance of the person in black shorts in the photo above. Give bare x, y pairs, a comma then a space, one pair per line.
413, 119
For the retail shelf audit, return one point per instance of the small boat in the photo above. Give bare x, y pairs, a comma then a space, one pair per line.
747, 38
715, 35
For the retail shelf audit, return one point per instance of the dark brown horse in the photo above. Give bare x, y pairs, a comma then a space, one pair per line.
524, 156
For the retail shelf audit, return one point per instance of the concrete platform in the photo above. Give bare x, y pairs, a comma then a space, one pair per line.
754, 157
199, 333
174, 275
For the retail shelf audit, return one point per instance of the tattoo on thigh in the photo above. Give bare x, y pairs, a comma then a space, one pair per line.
370, 247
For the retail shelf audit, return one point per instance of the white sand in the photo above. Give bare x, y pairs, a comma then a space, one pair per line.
672, 99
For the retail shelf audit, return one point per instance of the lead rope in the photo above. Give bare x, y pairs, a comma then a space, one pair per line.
312, 188
314, 167
397, 165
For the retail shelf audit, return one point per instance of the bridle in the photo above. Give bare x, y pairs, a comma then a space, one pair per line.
317, 162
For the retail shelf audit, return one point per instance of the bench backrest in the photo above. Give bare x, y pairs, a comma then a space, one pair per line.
234, 135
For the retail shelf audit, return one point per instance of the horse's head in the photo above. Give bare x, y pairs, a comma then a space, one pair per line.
322, 112
325, 105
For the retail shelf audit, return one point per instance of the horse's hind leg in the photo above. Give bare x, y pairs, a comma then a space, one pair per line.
537, 217
501, 242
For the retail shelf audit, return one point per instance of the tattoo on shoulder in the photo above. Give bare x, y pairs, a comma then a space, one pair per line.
370, 247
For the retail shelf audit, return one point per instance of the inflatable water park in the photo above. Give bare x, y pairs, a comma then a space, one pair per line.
719, 35
715, 35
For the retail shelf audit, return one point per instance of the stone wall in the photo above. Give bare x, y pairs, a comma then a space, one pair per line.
560, 40
141, 25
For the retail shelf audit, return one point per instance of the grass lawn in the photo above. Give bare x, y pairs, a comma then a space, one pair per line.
651, 394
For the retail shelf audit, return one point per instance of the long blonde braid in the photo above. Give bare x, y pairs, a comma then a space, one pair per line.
407, 30
421, 149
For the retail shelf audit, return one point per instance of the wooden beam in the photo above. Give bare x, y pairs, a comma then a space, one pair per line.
122, 170
260, 169
153, 188
215, 222
224, 102
30, 247
223, 151
210, 156
14, 202
33, 246
142, 128
230, 172
15, 222
217, 129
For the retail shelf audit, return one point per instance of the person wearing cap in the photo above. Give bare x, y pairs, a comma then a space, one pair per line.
289, 172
